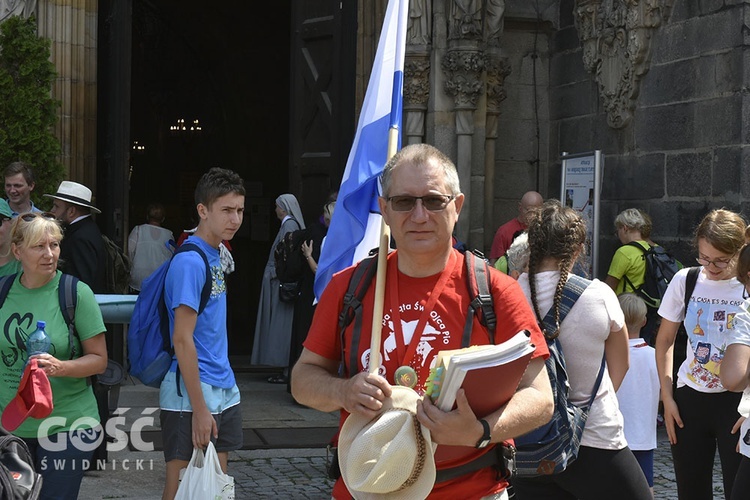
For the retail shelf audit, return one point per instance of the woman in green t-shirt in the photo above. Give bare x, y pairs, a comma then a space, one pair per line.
63, 442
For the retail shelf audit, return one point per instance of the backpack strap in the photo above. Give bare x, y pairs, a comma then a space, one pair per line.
5, 283
690, 281
205, 296
352, 310
574, 287
67, 294
206, 291
637, 245
597, 383
478, 281
627, 284
572, 291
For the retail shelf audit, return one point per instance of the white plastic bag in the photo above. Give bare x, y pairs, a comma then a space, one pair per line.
204, 479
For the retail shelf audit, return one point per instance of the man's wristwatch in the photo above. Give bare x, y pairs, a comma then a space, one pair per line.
486, 438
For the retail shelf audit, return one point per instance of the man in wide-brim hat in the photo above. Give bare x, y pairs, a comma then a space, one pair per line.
82, 251
388, 432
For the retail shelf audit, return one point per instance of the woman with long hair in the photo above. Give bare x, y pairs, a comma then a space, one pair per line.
699, 412
593, 329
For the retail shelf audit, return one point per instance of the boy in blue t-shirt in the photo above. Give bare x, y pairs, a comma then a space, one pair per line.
207, 406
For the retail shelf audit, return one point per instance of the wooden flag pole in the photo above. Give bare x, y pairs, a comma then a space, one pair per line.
383, 247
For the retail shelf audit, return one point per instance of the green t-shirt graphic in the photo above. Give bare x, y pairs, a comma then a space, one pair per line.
73, 398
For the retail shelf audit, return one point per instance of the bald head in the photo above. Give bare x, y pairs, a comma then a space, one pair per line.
530, 200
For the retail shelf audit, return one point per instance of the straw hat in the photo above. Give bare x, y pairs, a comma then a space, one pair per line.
390, 456
75, 193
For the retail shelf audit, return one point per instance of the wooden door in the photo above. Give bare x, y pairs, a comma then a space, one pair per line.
321, 125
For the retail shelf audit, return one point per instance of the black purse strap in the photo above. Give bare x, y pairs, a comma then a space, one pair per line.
572, 291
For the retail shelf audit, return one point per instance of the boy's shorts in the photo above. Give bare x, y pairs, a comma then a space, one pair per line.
176, 418
646, 461
177, 432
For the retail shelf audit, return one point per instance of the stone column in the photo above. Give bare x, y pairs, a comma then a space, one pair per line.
416, 94
498, 67
417, 70
71, 25
463, 67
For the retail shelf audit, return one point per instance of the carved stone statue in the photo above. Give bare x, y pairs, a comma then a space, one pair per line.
465, 19
418, 31
463, 70
24, 8
616, 42
494, 21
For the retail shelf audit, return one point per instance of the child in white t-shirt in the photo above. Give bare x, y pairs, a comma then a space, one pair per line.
638, 395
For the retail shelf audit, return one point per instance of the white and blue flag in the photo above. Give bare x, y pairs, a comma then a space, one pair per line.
355, 226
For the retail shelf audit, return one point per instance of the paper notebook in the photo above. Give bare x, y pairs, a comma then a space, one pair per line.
489, 374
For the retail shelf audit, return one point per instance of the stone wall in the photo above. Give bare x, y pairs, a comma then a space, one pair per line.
522, 160
685, 149
526, 108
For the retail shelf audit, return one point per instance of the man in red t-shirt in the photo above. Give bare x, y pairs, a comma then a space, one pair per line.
505, 233
425, 306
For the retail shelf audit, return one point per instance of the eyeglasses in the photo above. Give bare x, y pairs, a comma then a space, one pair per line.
431, 202
719, 264
30, 216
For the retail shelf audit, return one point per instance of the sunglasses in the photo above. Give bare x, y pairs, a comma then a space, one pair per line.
30, 216
431, 202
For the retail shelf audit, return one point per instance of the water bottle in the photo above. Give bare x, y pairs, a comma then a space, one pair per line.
38, 342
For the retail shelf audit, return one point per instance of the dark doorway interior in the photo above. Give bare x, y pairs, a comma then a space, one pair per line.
226, 65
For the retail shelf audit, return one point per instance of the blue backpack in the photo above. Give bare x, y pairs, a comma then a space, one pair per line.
553, 446
150, 350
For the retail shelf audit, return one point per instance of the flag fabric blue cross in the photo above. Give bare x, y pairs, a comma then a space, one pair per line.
356, 221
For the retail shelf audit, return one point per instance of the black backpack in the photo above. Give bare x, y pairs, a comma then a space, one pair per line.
287, 255
661, 266
18, 478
